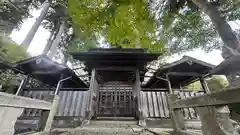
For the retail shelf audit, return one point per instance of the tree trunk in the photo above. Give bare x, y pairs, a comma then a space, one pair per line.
53, 49
224, 30
28, 39
49, 42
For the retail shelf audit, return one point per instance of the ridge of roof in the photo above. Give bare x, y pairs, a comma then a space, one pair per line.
186, 58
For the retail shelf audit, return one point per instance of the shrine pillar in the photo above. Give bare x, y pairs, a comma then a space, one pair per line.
92, 98
137, 96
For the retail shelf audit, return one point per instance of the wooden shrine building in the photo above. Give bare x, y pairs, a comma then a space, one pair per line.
179, 73
171, 79
53, 80
115, 85
49, 73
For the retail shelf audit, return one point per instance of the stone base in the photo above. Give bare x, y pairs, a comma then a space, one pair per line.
142, 123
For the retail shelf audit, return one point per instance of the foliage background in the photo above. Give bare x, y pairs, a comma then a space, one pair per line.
10, 52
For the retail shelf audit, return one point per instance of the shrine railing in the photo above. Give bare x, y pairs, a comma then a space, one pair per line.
72, 104
45, 116
211, 108
156, 105
12, 106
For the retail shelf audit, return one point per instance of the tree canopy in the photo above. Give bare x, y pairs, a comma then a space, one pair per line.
12, 13
166, 25
185, 27
10, 52
120, 22
160, 26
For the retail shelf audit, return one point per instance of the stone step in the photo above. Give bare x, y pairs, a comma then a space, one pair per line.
111, 128
116, 118
112, 124
103, 131
113, 131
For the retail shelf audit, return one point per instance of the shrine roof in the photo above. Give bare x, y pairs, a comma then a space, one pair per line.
49, 72
114, 57
115, 62
180, 72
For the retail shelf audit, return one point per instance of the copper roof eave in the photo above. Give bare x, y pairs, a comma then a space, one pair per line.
44, 69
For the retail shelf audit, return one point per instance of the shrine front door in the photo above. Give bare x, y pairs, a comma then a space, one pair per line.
116, 100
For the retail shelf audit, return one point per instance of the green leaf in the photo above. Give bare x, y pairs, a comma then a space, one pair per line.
124, 23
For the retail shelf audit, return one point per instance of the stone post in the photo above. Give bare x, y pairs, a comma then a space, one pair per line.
141, 116
176, 115
232, 77
43, 119
52, 114
90, 99
215, 121
8, 118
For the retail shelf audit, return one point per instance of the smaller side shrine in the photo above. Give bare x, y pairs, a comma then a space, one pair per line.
49, 72
179, 73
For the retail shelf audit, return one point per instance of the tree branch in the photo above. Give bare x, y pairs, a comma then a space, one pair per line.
236, 6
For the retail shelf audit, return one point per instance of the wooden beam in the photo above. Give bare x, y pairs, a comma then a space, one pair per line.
52, 89
224, 97
169, 86
116, 68
184, 74
146, 76
153, 90
9, 100
204, 85
22, 85
166, 90
55, 117
60, 83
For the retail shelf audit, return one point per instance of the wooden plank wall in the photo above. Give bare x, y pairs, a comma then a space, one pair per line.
155, 104
72, 103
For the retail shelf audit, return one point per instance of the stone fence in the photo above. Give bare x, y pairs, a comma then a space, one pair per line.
12, 106
211, 108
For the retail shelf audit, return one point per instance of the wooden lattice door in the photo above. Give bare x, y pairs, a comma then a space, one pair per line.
115, 100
